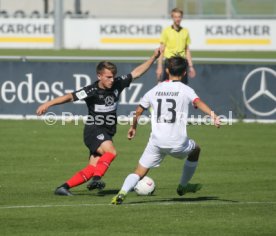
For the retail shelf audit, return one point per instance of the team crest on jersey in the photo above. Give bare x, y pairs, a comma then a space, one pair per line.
116, 92
124, 77
109, 101
81, 94
100, 137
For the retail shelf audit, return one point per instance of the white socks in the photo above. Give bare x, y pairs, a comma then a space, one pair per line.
188, 172
130, 182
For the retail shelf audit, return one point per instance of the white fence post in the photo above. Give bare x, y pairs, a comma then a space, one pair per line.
58, 19
228, 10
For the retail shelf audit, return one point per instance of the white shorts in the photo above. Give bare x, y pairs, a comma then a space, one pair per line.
154, 155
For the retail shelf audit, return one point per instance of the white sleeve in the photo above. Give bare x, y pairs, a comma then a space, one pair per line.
145, 101
192, 95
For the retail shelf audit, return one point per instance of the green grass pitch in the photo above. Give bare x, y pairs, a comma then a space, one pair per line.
133, 53
237, 170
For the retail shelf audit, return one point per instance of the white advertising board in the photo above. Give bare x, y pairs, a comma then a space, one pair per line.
145, 34
137, 34
26, 33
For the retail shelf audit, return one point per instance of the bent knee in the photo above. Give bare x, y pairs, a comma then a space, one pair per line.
114, 152
194, 155
197, 148
141, 171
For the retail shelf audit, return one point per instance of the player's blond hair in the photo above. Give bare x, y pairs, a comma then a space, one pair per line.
106, 65
176, 10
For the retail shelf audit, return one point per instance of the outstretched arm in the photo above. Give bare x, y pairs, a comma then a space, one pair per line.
132, 130
207, 110
59, 100
140, 70
159, 69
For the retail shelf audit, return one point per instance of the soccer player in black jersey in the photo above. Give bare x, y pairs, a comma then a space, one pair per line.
101, 98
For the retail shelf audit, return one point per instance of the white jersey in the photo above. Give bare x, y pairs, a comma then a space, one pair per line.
170, 103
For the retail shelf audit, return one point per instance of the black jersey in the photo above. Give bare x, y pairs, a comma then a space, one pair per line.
102, 103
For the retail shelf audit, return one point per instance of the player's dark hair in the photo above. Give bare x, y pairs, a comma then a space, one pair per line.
106, 65
177, 65
177, 10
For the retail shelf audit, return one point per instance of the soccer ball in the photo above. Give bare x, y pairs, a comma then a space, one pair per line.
145, 186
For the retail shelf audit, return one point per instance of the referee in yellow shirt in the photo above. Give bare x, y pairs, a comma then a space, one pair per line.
175, 41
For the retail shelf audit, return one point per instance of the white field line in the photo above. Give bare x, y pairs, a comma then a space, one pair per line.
124, 118
141, 204
128, 58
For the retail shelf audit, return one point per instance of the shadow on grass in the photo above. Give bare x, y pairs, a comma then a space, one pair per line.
152, 200
96, 192
182, 199
108, 192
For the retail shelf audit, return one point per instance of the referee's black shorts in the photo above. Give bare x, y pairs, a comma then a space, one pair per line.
165, 76
94, 136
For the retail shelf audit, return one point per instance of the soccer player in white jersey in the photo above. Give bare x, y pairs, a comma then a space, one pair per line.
170, 101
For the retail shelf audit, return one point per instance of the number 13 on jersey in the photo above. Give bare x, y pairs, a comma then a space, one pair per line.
165, 109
